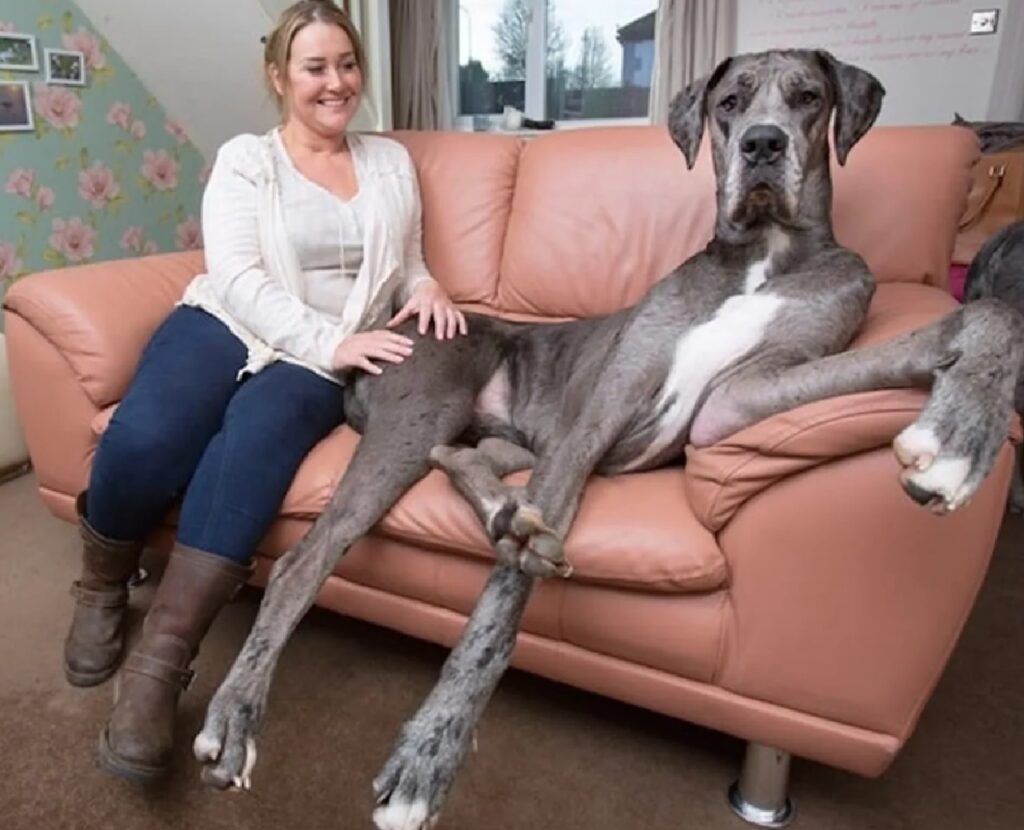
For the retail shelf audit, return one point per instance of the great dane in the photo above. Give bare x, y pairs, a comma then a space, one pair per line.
753, 325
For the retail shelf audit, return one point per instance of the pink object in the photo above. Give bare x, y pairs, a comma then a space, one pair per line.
957, 278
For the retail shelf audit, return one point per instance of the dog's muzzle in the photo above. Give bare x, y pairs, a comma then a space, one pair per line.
763, 145
762, 150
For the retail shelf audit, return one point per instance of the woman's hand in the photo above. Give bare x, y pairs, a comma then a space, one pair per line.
360, 350
429, 300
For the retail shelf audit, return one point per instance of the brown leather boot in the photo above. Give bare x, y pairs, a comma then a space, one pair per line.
139, 738
95, 642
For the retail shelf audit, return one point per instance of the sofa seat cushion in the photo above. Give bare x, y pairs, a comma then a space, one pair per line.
632, 531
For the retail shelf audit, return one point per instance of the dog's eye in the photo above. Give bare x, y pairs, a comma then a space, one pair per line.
808, 97
728, 103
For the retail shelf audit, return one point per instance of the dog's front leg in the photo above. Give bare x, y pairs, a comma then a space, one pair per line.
971, 359
415, 780
391, 457
226, 746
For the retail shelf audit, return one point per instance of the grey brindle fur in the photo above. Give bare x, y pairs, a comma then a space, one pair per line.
998, 271
753, 325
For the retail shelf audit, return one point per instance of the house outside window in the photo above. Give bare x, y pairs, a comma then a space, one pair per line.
571, 61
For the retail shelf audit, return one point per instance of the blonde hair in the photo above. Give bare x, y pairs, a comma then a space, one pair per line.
277, 46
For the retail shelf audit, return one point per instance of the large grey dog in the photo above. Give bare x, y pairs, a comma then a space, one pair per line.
753, 325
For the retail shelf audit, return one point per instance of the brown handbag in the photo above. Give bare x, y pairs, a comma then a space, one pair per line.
996, 199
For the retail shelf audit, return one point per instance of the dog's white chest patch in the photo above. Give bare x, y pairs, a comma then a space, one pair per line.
737, 328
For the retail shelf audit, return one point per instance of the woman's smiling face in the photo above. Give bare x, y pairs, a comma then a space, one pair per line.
324, 85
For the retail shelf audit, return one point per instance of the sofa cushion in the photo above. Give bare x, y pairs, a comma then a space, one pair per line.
634, 531
466, 183
598, 216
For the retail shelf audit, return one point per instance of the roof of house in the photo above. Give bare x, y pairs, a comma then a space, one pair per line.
640, 29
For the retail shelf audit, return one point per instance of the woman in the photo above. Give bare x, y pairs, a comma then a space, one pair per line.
311, 235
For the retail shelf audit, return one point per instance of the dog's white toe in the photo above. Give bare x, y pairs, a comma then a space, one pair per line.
250, 762
206, 748
402, 815
945, 477
917, 446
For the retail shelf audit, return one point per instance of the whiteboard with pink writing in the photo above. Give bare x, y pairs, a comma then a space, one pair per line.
921, 50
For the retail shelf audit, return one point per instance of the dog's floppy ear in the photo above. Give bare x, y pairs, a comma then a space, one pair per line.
687, 110
858, 97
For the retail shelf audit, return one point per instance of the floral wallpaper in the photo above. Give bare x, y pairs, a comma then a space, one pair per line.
105, 174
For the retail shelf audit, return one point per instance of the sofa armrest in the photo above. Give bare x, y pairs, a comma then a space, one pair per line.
100, 316
846, 597
721, 477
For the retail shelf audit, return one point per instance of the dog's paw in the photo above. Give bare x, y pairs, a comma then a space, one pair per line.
226, 747
411, 788
933, 476
522, 538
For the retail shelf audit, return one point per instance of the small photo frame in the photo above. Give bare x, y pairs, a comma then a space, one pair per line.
18, 52
15, 107
64, 67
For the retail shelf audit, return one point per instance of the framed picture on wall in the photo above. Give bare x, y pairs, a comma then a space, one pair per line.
64, 67
18, 52
15, 107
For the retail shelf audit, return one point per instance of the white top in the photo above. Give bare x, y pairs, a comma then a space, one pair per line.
326, 232
286, 299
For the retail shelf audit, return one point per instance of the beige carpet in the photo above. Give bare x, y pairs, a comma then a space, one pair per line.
549, 757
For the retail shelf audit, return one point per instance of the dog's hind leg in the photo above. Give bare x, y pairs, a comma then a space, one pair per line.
391, 457
476, 472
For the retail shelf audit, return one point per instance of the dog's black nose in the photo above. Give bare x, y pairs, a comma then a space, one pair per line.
763, 144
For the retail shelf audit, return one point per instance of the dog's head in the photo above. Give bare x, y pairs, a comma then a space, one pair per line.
768, 116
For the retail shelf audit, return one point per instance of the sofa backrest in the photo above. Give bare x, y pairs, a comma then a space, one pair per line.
582, 222
598, 216
466, 183
899, 198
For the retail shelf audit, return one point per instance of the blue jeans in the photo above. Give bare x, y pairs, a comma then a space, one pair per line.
187, 427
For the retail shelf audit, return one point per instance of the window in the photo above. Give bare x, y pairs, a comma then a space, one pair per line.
563, 60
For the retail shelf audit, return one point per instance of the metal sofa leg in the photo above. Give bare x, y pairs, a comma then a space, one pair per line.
760, 796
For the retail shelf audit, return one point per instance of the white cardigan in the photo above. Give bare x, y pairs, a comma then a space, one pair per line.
253, 282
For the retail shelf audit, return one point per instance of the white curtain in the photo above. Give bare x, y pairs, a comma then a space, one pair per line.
422, 60
691, 37
1007, 99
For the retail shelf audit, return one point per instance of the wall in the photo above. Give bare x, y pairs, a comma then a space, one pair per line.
105, 174
921, 50
204, 60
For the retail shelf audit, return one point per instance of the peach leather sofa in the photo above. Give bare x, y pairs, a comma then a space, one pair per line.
779, 587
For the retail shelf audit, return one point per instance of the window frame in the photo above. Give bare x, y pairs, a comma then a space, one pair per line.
536, 86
